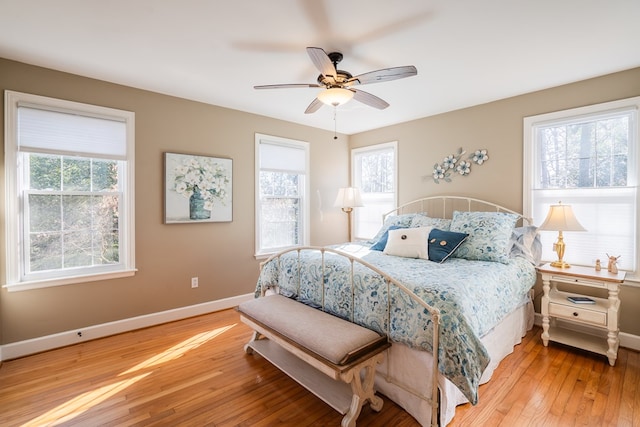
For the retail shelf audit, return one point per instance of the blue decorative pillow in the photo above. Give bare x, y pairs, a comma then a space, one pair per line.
444, 243
489, 234
380, 244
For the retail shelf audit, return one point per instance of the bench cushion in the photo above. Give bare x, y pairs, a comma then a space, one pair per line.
328, 336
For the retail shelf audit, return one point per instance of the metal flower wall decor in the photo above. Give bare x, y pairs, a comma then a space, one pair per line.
453, 164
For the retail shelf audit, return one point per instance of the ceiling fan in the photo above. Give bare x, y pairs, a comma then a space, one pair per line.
339, 84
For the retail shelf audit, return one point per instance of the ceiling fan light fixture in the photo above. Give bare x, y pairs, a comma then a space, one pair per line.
335, 96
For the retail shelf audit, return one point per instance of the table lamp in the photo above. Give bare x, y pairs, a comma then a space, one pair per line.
560, 218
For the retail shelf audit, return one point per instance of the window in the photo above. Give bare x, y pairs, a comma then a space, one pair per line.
374, 171
282, 188
69, 178
587, 158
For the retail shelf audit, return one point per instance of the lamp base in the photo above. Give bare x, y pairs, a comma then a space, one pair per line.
560, 264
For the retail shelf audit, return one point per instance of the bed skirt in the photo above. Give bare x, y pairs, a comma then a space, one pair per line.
405, 376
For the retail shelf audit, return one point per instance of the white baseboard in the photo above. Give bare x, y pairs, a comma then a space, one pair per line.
626, 340
49, 342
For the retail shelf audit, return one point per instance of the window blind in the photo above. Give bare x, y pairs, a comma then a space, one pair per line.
48, 131
283, 158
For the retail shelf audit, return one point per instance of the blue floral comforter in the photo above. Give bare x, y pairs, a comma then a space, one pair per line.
472, 296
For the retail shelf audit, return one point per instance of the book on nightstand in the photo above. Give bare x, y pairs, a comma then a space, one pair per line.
581, 300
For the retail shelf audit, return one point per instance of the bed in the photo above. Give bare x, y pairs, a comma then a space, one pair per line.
445, 272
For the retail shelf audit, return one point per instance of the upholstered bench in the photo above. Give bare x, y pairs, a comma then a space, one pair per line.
300, 335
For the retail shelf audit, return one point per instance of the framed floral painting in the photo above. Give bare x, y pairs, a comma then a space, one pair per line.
197, 188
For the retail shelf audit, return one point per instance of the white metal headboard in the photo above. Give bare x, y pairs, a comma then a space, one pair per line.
443, 207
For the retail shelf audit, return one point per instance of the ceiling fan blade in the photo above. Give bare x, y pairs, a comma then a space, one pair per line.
314, 106
384, 75
369, 99
285, 86
321, 60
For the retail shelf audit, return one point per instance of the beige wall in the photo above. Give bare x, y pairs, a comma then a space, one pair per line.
167, 256
496, 126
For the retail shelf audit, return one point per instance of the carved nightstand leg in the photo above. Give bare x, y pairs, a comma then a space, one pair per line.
613, 339
545, 309
612, 352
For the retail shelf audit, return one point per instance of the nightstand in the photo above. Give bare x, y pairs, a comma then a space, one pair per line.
559, 314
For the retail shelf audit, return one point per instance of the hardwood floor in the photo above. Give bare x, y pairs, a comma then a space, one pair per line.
194, 373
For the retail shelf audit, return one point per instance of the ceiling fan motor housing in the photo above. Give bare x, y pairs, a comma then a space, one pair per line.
337, 81
341, 77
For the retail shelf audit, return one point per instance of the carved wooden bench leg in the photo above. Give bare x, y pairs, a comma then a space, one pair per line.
255, 337
362, 389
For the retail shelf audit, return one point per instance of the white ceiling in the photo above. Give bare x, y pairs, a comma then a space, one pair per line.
467, 52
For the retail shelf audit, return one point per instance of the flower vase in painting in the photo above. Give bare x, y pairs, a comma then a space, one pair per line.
196, 206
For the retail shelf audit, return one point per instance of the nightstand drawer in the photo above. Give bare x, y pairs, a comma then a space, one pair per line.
580, 281
578, 313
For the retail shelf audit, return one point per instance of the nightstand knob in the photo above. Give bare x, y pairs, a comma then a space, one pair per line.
575, 314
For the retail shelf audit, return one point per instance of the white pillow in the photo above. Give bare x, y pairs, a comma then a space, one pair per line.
409, 242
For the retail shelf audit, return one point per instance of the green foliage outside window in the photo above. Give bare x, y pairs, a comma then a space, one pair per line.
72, 205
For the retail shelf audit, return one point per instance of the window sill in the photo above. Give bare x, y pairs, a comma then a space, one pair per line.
40, 284
632, 280
261, 256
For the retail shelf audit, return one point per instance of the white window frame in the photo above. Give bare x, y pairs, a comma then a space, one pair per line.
14, 280
530, 171
360, 214
305, 198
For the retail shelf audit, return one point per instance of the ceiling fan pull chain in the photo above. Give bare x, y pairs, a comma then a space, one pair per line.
335, 122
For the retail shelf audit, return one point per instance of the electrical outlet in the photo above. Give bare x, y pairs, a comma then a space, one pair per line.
194, 282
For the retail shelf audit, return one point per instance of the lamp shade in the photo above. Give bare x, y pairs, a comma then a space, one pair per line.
348, 197
561, 218
335, 96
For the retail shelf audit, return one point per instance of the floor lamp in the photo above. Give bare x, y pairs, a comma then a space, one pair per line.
348, 198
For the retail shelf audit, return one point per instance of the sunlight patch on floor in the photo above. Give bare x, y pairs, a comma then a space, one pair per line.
85, 401
81, 403
179, 349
